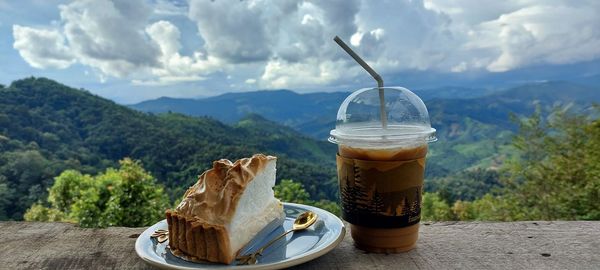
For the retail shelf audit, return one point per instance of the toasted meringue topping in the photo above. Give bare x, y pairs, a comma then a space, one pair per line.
215, 196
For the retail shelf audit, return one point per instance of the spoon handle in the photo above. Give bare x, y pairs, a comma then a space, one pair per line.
245, 259
260, 251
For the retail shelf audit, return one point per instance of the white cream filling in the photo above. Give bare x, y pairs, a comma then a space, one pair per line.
256, 208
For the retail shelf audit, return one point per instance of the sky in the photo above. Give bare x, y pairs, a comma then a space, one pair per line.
133, 50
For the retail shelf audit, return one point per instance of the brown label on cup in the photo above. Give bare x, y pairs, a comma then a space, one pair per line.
381, 194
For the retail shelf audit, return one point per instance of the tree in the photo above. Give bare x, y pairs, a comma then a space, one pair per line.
555, 174
330, 206
434, 208
5, 198
67, 189
27, 174
348, 197
377, 203
290, 191
38, 212
294, 192
136, 200
490, 208
128, 197
359, 193
466, 185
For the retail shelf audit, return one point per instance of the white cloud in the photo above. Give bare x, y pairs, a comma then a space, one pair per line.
108, 35
116, 39
473, 12
232, 31
460, 67
173, 66
292, 40
505, 35
309, 73
541, 34
170, 8
288, 43
42, 48
166, 80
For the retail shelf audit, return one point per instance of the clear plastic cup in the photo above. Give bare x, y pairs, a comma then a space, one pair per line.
381, 169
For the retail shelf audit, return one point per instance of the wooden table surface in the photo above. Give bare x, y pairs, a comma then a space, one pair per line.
442, 245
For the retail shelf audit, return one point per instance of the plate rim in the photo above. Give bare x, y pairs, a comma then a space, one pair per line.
289, 262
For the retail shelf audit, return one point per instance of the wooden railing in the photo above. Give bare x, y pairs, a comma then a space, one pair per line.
442, 245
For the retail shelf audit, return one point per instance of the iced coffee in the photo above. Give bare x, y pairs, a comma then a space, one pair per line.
380, 192
381, 169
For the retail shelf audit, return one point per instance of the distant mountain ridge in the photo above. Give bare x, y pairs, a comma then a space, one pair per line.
473, 125
477, 132
283, 106
314, 114
495, 108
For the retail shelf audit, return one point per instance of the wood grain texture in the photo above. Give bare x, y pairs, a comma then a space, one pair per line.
442, 245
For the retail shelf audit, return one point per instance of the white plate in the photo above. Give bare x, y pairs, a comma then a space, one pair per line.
296, 248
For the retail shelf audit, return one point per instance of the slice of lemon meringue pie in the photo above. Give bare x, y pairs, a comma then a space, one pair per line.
225, 209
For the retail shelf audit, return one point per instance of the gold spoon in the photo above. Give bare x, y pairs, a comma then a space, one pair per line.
302, 222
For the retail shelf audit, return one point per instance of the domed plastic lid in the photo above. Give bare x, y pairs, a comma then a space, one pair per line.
359, 119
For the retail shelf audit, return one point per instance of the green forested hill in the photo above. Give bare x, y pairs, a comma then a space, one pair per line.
474, 125
477, 132
299, 111
312, 114
47, 127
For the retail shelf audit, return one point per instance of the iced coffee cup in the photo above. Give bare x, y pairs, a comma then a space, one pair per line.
380, 165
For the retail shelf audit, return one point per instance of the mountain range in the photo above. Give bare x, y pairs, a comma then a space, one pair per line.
47, 127
312, 114
473, 125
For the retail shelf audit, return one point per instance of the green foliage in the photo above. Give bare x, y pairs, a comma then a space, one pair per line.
467, 185
332, 207
68, 188
136, 200
489, 208
294, 192
47, 128
551, 170
128, 197
5, 197
435, 208
470, 144
555, 174
290, 191
38, 212
26, 174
